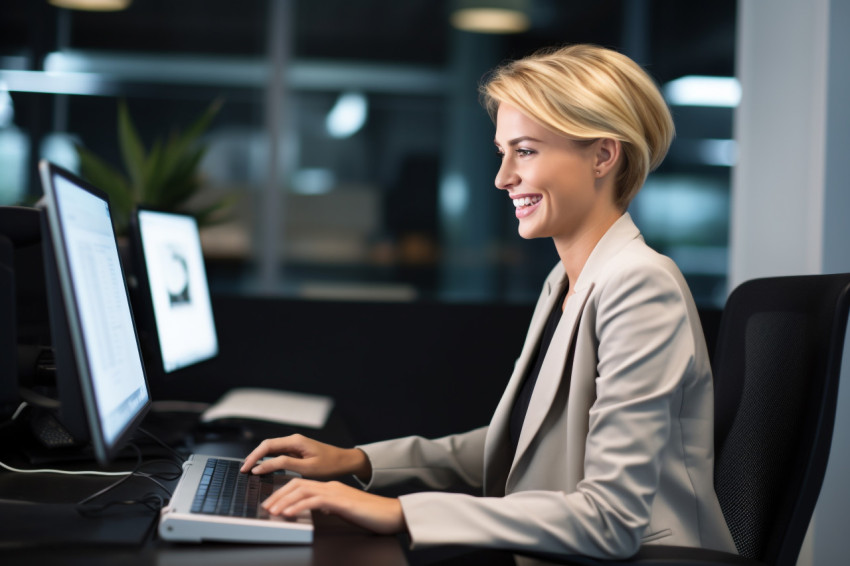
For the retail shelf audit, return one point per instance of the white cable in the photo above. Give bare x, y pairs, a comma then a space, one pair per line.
21, 407
66, 472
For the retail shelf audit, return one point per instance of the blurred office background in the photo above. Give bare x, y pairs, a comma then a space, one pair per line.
351, 136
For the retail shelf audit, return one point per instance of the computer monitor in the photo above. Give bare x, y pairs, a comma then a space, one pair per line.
97, 349
24, 327
8, 332
173, 303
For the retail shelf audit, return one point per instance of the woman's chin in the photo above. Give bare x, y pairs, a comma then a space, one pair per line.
528, 232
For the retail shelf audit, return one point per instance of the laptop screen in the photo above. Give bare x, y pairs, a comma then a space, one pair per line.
177, 288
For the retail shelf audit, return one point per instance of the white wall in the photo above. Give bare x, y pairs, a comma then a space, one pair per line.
791, 187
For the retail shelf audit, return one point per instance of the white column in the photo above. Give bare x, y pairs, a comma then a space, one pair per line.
791, 187
777, 186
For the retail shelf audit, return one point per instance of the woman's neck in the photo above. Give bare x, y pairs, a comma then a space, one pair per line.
575, 250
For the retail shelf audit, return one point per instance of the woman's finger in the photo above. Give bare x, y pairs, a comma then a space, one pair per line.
271, 446
380, 514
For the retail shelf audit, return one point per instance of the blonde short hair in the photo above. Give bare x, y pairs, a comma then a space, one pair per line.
586, 92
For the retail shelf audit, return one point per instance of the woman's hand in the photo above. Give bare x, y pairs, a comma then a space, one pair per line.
307, 457
382, 515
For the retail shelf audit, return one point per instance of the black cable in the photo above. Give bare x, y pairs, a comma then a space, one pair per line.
152, 501
83, 506
179, 457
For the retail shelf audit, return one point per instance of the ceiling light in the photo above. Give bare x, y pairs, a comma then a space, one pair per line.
92, 5
491, 16
695, 90
348, 115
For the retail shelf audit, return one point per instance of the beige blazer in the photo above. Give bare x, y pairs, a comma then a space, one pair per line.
619, 455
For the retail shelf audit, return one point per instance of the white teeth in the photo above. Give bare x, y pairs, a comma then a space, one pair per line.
526, 201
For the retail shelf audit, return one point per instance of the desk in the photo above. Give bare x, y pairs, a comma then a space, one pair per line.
127, 536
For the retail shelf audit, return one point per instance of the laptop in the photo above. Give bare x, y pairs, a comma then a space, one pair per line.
101, 362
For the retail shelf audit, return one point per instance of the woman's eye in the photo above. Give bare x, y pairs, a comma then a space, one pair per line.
520, 152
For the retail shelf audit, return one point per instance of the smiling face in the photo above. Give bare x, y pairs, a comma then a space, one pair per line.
559, 186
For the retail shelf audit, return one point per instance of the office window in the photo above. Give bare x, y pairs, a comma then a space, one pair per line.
367, 172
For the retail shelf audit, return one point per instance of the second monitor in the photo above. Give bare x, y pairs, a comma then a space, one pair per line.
172, 293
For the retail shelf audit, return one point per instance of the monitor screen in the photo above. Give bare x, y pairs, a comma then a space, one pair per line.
101, 331
173, 282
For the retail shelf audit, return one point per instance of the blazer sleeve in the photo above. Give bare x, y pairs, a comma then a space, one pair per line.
442, 463
645, 350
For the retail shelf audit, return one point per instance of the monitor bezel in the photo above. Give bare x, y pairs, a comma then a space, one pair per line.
143, 298
78, 374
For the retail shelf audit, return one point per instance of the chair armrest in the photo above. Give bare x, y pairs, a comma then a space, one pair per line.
649, 555
656, 555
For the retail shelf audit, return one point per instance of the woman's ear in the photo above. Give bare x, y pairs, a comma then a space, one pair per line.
607, 156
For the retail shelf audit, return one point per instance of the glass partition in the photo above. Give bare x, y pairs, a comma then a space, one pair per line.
350, 147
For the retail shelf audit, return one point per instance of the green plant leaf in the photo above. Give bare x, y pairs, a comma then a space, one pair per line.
185, 140
170, 169
186, 180
165, 177
179, 174
153, 176
105, 177
132, 149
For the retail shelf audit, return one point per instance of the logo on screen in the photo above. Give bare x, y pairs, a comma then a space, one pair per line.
177, 277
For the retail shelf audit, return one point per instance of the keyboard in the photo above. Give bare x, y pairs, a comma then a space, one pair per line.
214, 501
224, 490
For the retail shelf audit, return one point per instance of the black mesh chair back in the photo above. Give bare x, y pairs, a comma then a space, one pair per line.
776, 372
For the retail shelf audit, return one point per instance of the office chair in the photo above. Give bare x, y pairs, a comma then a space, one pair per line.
776, 372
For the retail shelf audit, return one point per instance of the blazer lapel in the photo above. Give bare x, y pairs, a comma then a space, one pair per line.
551, 376
497, 458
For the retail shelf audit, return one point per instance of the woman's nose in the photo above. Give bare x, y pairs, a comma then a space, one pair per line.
506, 177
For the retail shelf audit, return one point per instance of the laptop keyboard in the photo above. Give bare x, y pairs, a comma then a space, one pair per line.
223, 490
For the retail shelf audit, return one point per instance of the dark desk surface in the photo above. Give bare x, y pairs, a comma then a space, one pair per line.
52, 533
40, 524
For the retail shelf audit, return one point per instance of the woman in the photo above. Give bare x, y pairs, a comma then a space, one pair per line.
603, 438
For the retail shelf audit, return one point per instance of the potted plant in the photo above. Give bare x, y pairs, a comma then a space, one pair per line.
165, 176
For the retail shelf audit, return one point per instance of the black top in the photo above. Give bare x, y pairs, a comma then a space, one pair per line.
524, 398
